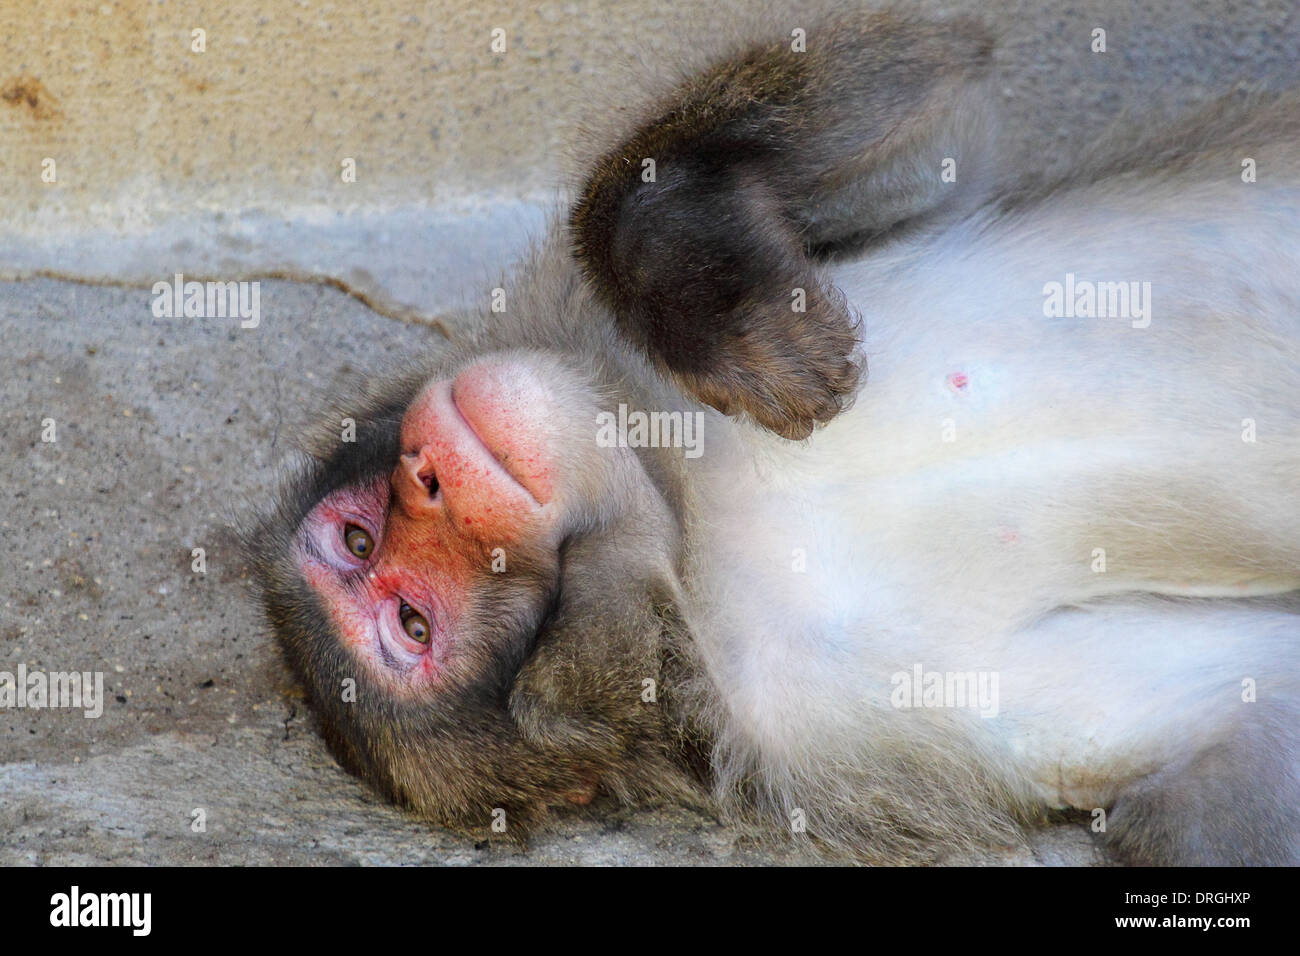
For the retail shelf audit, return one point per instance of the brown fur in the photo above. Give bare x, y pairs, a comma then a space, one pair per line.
754, 161
556, 707
661, 294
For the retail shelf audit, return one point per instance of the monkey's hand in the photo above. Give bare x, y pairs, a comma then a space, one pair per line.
700, 231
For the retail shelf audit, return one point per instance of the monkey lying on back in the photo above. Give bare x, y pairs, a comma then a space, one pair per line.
633, 539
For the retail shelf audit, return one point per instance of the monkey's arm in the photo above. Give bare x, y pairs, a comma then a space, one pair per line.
706, 254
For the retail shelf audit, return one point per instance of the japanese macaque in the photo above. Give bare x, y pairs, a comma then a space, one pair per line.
823, 473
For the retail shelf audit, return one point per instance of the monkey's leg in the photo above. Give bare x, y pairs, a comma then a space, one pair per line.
1234, 801
1180, 717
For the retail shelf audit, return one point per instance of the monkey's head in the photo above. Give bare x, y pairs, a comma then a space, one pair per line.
482, 597
479, 597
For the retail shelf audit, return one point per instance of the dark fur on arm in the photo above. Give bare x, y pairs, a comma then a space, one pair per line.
757, 162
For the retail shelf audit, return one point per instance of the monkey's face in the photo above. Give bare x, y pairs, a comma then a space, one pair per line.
405, 562
474, 590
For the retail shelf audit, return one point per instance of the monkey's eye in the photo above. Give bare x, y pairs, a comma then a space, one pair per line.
413, 622
358, 541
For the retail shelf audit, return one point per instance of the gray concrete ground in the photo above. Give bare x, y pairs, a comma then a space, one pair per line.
165, 430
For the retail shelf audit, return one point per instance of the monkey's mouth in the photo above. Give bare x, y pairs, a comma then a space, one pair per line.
484, 447
487, 450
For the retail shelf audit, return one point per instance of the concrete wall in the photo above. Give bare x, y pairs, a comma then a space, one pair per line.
227, 162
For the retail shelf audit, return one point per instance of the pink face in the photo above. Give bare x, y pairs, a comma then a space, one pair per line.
397, 563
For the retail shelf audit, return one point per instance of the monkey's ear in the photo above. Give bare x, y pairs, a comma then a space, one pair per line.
580, 690
575, 693
700, 231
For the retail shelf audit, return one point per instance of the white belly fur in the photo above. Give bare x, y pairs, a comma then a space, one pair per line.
1068, 435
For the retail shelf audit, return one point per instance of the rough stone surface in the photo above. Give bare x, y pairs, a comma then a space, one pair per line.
228, 163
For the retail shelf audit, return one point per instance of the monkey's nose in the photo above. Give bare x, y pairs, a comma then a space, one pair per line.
415, 482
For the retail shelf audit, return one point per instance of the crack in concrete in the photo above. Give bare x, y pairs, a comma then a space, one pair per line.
387, 309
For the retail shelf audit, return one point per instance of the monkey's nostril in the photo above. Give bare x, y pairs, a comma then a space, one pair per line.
416, 465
